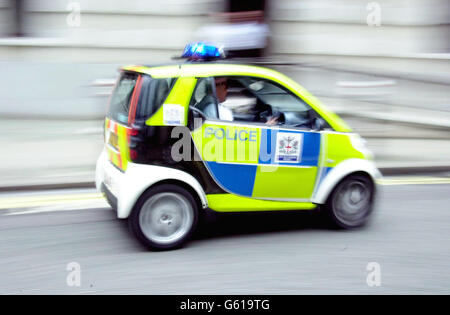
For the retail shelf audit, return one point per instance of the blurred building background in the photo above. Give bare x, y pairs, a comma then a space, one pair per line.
383, 65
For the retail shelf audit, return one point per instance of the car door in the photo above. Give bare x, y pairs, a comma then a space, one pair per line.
250, 158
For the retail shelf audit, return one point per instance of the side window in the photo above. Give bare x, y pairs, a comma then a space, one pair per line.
223, 98
251, 99
152, 95
236, 98
277, 105
204, 99
257, 100
151, 92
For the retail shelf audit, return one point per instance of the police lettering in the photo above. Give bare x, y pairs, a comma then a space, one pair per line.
220, 133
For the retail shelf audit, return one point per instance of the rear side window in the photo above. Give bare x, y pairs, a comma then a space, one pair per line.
152, 93
120, 101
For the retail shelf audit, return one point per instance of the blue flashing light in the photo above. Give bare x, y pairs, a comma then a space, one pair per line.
196, 51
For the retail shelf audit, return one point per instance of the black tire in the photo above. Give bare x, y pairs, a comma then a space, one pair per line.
352, 214
170, 203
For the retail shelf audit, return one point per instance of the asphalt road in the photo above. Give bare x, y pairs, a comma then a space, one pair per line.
408, 236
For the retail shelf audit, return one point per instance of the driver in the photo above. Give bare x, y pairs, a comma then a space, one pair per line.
222, 90
272, 121
224, 112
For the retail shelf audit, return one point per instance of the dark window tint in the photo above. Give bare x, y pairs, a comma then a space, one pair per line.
152, 95
121, 98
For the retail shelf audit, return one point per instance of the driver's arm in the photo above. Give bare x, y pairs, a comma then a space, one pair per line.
272, 121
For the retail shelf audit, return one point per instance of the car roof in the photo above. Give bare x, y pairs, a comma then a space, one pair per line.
201, 69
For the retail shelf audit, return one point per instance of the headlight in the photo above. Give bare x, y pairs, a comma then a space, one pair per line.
360, 144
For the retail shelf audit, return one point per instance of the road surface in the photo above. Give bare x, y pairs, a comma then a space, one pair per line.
287, 253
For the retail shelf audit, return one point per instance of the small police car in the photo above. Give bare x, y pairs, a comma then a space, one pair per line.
206, 133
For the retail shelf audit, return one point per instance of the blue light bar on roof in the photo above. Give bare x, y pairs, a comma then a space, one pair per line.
196, 51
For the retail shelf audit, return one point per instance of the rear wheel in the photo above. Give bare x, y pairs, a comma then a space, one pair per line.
164, 217
351, 202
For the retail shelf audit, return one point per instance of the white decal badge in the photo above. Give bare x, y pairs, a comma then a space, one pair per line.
289, 147
173, 115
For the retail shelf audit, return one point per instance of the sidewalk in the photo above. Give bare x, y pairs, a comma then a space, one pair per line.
56, 153
48, 152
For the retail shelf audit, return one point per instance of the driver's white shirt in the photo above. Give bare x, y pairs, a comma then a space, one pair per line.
225, 113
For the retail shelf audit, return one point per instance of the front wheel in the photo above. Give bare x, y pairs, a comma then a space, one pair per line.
164, 217
351, 202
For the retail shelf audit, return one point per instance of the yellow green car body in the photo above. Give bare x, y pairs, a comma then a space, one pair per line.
235, 166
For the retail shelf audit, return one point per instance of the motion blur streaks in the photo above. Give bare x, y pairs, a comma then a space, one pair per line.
382, 65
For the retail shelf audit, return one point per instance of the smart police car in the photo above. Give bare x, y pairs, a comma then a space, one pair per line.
229, 137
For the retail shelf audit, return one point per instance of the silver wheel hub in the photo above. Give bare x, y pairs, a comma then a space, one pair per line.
355, 196
166, 217
352, 201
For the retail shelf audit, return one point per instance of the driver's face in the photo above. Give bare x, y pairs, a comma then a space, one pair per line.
221, 89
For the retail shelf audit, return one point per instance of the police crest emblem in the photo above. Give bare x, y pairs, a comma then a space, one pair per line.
289, 147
